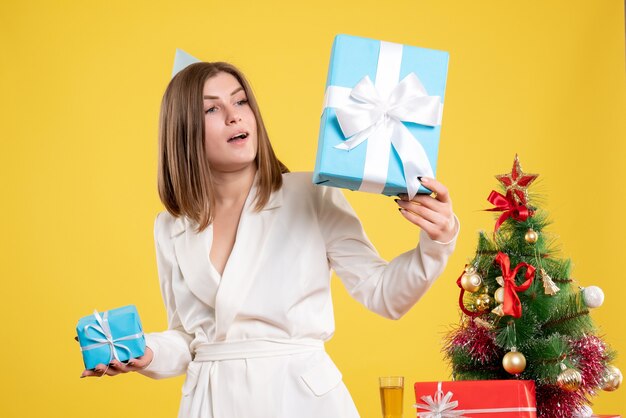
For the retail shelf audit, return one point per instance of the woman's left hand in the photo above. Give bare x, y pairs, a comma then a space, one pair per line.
433, 213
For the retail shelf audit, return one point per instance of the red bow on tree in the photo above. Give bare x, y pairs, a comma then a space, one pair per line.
509, 206
512, 305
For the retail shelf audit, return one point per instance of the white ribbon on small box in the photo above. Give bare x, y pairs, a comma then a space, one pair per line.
376, 112
102, 328
442, 406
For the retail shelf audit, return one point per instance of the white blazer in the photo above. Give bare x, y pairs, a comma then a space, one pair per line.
251, 340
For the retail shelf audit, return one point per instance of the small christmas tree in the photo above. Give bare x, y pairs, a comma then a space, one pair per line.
524, 317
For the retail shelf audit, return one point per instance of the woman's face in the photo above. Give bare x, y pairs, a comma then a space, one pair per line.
230, 133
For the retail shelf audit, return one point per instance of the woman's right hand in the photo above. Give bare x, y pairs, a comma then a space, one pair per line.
116, 367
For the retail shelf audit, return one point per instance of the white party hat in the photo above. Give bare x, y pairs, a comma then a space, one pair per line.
182, 60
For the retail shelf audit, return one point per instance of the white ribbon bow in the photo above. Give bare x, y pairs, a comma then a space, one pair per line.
407, 102
439, 406
102, 328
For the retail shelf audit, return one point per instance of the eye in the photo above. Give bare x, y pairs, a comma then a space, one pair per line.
211, 109
242, 102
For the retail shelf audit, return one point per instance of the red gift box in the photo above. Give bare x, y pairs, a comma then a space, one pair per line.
476, 398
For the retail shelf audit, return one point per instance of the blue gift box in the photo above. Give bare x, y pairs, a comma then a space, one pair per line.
386, 65
114, 334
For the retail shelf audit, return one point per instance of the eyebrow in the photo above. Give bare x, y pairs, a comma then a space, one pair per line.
237, 90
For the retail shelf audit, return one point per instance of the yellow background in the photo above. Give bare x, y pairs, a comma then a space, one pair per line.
81, 83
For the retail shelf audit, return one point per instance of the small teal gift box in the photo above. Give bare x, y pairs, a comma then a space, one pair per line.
381, 122
114, 334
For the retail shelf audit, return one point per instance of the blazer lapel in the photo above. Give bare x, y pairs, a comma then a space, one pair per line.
192, 254
243, 264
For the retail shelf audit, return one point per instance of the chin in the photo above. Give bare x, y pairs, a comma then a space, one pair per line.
234, 166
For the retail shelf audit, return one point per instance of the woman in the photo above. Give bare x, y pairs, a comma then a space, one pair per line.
244, 253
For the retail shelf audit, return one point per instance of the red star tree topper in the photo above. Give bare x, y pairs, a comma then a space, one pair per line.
517, 182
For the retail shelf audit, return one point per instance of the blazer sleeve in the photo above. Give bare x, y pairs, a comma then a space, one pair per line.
387, 288
171, 347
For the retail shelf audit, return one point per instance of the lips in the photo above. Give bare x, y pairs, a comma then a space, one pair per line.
238, 137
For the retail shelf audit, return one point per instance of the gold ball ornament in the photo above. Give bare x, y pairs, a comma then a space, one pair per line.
471, 280
531, 236
499, 295
612, 379
483, 302
569, 379
514, 362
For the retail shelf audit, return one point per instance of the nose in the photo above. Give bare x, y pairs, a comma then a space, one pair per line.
233, 116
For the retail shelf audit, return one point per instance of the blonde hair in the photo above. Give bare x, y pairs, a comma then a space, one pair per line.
185, 181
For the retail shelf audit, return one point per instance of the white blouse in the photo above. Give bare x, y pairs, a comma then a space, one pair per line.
251, 340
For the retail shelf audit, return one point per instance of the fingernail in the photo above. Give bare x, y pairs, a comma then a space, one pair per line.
396, 200
400, 209
82, 375
422, 179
